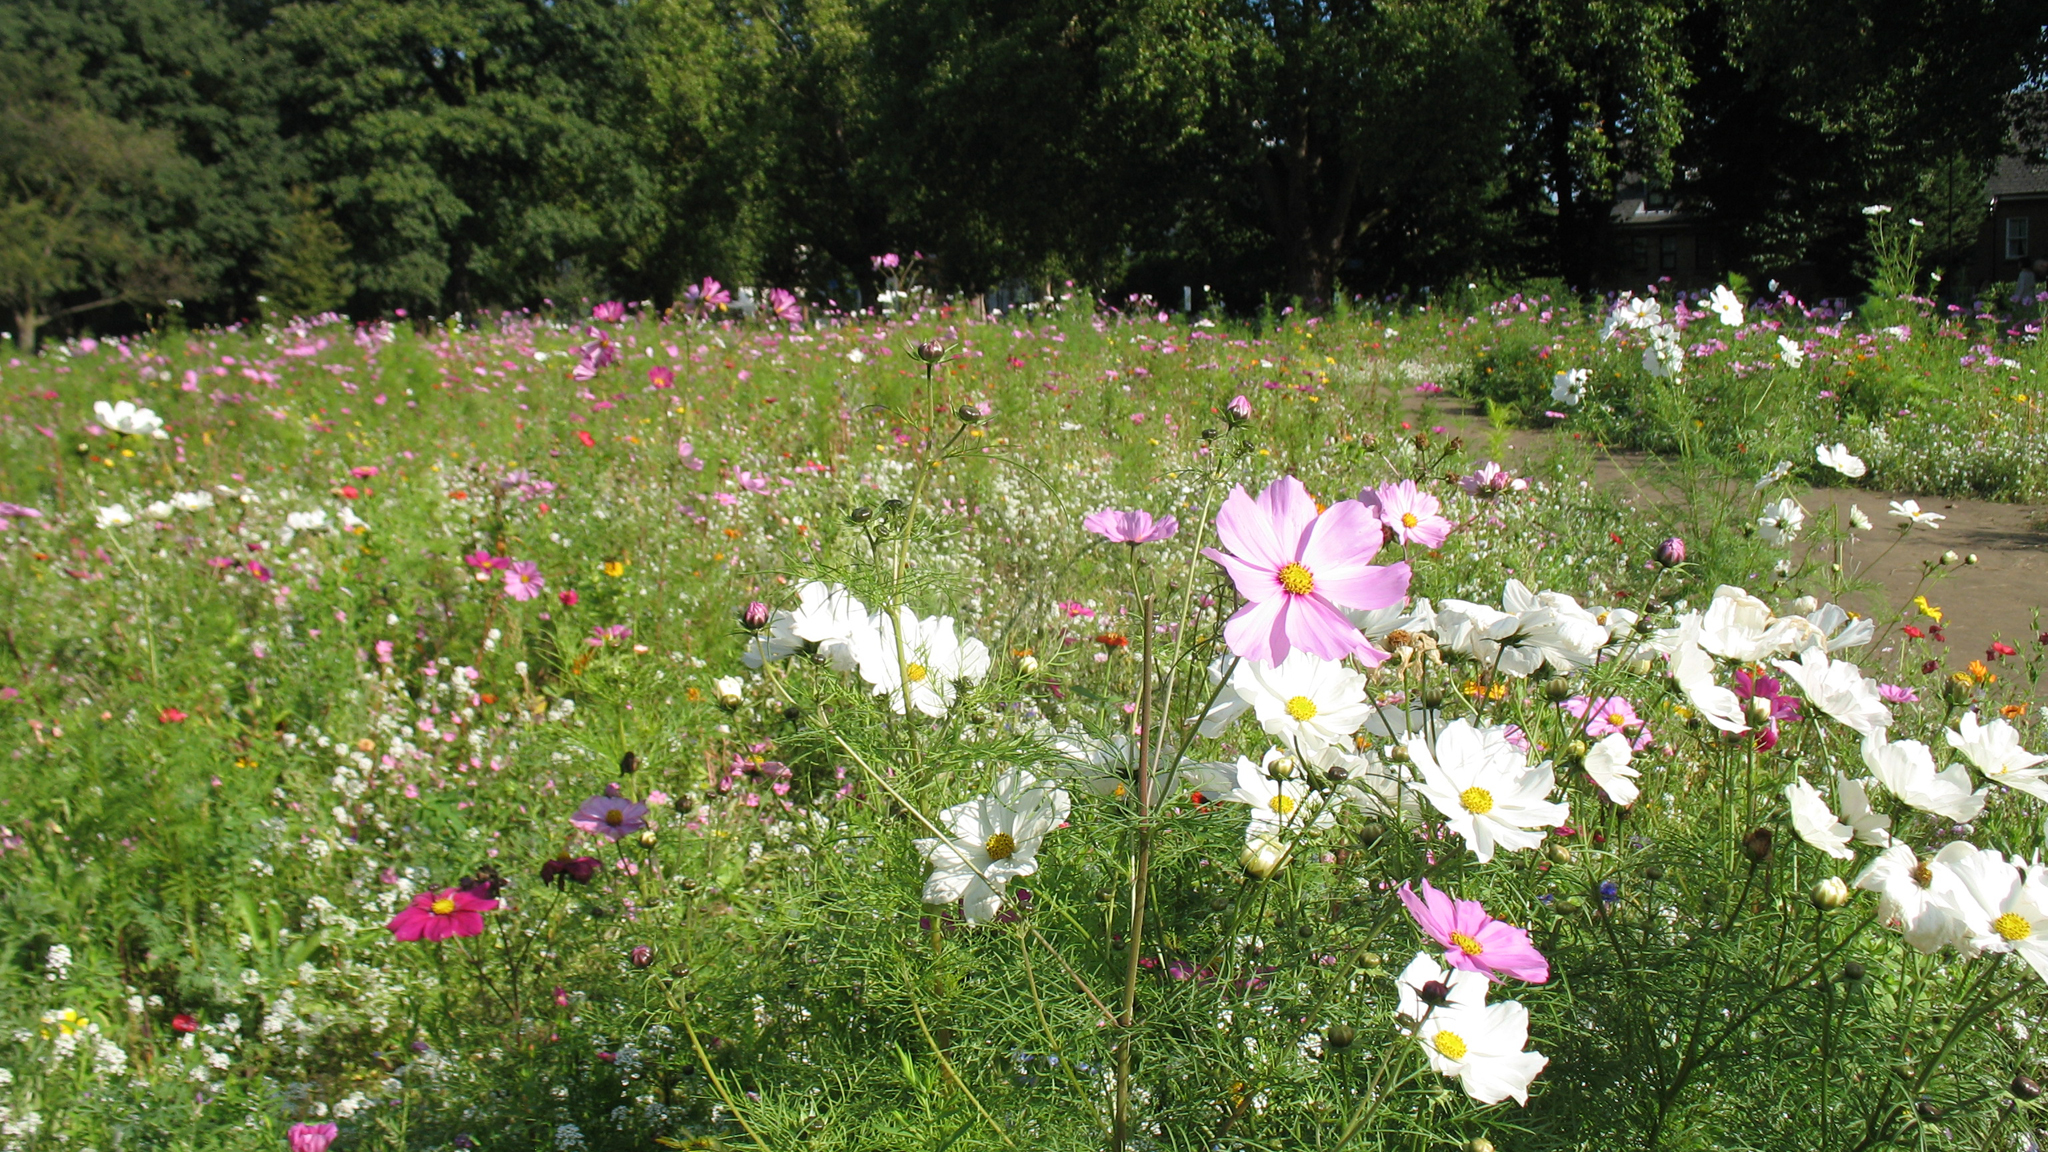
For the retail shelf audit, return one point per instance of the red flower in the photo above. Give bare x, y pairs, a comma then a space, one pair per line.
568, 597
2000, 648
170, 716
439, 915
588, 442
350, 492
1915, 633
1113, 640
183, 1022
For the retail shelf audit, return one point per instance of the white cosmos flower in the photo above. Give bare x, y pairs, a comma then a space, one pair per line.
1738, 626
729, 690
1915, 895
198, 501
1839, 688
1230, 703
1378, 623
1280, 808
1527, 632
159, 510
1305, 701
314, 521
1835, 630
933, 661
1607, 762
1840, 459
1725, 306
2002, 907
1779, 471
1876, 209
350, 522
1815, 821
1781, 522
1568, 387
826, 615
113, 516
126, 418
1693, 671
1106, 766
1995, 749
1464, 1036
1906, 769
1910, 510
1870, 826
1665, 356
990, 841
1485, 788
1791, 352
1858, 519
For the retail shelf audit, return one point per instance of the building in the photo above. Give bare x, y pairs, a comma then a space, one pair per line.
1656, 237
2017, 230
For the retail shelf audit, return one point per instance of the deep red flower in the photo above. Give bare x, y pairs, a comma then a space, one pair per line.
1915, 633
585, 437
170, 716
183, 1022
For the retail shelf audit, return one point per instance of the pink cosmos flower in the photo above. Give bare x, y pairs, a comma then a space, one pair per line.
886, 260
609, 312
1897, 694
613, 817
1472, 940
1135, 527
1414, 516
1239, 407
782, 305
703, 298
687, 453
1490, 479
439, 915
661, 376
1610, 714
593, 358
751, 481
523, 580
312, 1137
1297, 568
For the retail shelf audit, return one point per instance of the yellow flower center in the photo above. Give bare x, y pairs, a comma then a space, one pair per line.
2012, 926
916, 672
1922, 874
1477, 801
1616, 720
614, 817
1408, 520
1302, 708
1466, 944
443, 907
1296, 580
1451, 1045
1283, 804
1001, 846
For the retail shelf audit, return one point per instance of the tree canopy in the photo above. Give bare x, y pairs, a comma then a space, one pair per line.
454, 155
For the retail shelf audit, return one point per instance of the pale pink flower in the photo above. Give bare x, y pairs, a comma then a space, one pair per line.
1297, 568
1610, 714
1135, 527
1414, 515
609, 312
687, 453
523, 580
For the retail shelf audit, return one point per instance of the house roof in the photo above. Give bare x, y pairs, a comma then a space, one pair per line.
2016, 177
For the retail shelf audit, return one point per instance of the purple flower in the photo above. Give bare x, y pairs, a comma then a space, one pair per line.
1414, 516
1777, 706
612, 817
1134, 527
565, 868
523, 580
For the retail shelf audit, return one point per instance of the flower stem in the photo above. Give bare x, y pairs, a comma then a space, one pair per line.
1120, 1127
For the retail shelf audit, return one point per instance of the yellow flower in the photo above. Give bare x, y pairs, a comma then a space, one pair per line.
1980, 673
615, 568
1928, 610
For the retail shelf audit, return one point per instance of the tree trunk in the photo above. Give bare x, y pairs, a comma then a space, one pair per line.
26, 321
1314, 236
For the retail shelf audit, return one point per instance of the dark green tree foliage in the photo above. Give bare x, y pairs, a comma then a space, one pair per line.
476, 151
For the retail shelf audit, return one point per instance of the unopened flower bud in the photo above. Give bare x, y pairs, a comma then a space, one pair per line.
1339, 1035
1337, 773
1395, 753
648, 839
1958, 688
1557, 691
1576, 751
967, 414
2025, 1087
1830, 893
1970, 559
860, 515
929, 352
1263, 858
1757, 845
1434, 993
1028, 664
1852, 972
1559, 854
1950, 557
1479, 1144
1281, 769
754, 616
629, 764
1369, 833
1433, 698
1671, 553
641, 956
1757, 710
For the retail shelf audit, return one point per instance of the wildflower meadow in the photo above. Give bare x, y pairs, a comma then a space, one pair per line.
1086, 725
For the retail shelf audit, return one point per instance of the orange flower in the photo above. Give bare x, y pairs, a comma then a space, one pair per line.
2013, 711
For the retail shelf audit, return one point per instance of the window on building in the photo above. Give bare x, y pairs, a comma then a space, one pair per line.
1667, 254
1642, 253
2016, 238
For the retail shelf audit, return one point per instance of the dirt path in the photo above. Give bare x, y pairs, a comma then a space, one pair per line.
1995, 598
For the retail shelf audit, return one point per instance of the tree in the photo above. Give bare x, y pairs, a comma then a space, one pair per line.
67, 246
306, 270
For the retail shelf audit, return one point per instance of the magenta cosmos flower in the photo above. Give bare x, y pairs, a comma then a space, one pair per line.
613, 817
523, 580
312, 1137
439, 915
1414, 516
1297, 569
1130, 527
1473, 940
609, 312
